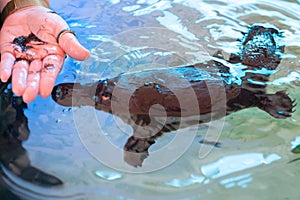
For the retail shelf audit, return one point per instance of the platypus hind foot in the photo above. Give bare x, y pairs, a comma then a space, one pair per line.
278, 105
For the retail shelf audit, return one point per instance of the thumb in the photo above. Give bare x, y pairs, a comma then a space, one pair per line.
69, 43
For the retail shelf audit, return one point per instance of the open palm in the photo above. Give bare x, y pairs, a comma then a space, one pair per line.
31, 53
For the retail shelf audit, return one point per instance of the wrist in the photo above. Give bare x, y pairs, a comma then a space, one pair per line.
19, 3
3, 3
8, 7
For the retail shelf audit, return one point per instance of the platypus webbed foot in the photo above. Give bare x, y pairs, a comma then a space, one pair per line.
278, 105
136, 150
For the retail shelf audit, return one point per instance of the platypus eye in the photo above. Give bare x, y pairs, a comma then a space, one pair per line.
106, 96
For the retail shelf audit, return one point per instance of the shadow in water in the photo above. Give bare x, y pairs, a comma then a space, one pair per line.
13, 156
220, 87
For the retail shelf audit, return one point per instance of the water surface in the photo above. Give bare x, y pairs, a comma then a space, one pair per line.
253, 159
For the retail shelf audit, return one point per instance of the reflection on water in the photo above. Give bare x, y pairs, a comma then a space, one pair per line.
190, 27
184, 183
236, 163
110, 176
227, 165
295, 142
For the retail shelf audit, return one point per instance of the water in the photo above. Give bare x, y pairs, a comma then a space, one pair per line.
253, 158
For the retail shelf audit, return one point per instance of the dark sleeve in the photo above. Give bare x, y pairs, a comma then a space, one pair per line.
1, 20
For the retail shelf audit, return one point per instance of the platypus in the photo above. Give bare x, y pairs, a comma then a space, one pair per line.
186, 95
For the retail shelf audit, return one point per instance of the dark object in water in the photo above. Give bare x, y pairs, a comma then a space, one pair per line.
296, 149
218, 89
24, 42
13, 130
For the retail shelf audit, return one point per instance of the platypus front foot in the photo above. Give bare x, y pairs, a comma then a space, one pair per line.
136, 150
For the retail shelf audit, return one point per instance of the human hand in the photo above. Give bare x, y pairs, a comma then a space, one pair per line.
33, 49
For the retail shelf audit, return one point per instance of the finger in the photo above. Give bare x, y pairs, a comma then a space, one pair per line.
7, 62
33, 81
19, 77
72, 47
52, 65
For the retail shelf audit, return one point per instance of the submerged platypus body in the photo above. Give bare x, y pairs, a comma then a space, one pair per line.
186, 95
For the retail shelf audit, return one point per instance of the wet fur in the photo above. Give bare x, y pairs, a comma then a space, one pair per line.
259, 50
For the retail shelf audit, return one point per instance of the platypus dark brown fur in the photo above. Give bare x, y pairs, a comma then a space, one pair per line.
189, 95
